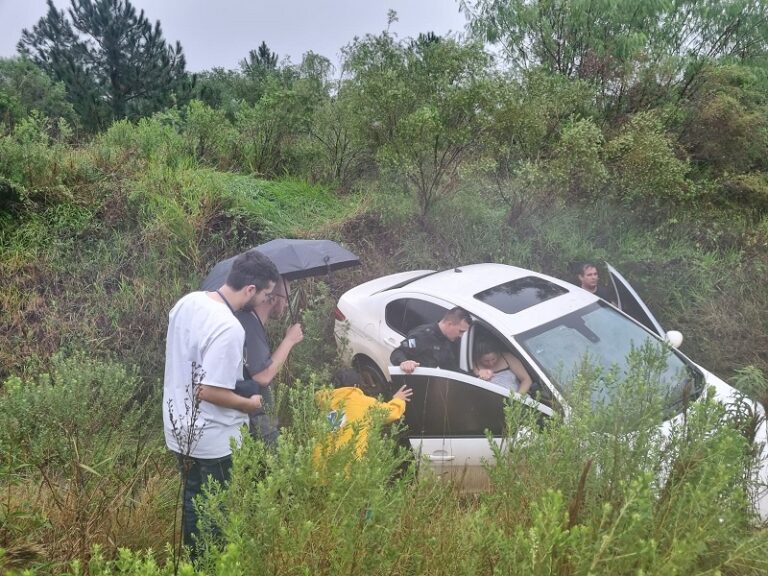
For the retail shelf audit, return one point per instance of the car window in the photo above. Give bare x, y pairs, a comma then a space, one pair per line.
604, 338
442, 407
517, 295
405, 314
480, 334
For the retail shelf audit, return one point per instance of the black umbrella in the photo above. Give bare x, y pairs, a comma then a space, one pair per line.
293, 258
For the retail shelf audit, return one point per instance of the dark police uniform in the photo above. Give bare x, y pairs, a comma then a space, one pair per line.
428, 346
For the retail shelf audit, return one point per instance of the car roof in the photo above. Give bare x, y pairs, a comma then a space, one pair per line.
459, 286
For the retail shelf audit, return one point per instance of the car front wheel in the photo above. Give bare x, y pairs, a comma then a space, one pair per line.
373, 381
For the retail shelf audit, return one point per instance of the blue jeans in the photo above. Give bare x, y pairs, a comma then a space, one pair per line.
195, 472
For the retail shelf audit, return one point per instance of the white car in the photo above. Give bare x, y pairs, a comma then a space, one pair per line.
548, 324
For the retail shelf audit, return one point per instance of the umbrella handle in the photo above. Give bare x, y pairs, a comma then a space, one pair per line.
288, 299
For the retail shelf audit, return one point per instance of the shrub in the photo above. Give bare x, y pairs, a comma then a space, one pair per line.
745, 193
30, 157
577, 159
81, 459
644, 169
154, 139
209, 134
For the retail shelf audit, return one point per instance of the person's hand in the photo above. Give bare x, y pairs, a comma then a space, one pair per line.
484, 373
409, 366
294, 334
253, 403
404, 394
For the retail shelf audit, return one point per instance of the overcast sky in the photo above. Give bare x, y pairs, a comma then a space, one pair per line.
221, 32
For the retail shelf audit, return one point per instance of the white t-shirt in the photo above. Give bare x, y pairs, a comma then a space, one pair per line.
201, 332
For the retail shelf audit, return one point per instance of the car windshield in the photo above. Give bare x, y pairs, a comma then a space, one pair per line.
604, 338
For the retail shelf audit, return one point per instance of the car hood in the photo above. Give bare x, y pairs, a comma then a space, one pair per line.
727, 394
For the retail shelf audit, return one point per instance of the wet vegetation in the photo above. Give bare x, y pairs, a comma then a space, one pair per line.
637, 137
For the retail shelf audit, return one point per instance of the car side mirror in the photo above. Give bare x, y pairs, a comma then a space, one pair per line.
674, 338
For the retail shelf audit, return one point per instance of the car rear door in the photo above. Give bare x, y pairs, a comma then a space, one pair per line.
448, 418
628, 301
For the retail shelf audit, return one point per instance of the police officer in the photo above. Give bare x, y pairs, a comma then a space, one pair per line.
433, 345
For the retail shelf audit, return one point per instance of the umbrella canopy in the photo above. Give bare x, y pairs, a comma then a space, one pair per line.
293, 258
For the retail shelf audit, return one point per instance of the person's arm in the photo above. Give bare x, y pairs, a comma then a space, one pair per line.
293, 336
519, 370
395, 408
482, 373
399, 356
227, 398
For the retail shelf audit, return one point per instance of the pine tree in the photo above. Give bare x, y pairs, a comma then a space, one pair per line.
259, 62
114, 63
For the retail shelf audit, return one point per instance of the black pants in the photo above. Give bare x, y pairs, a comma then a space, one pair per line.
262, 424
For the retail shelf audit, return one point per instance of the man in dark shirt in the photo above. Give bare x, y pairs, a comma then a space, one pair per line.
262, 364
433, 345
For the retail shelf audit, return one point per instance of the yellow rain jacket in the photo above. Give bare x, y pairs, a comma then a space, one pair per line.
348, 415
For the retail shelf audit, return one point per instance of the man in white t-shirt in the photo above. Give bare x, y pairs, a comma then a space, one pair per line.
204, 359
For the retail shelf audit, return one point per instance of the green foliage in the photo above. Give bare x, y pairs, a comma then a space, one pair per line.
125, 247
332, 152
79, 458
328, 513
644, 168
270, 107
128, 563
745, 193
753, 383
209, 134
88, 52
602, 491
725, 119
316, 354
529, 115
31, 158
24, 87
420, 107
636, 54
78, 397
577, 161
128, 148
578, 496
260, 62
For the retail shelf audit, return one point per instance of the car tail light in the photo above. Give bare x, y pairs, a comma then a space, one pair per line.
339, 315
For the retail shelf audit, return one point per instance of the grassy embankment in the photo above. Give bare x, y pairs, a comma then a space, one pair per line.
103, 239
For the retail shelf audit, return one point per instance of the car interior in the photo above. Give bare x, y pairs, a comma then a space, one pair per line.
481, 332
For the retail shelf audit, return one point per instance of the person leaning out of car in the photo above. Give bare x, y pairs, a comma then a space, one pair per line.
433, 345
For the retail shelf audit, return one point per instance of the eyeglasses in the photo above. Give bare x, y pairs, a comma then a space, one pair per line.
273, 297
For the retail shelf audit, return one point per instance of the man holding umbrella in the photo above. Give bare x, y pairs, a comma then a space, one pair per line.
294, 259
261, 364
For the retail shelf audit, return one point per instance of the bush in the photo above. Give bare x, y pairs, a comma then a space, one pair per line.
209, 135
604, 491
133, 145
31, 158
577, 159
644, 169
82, 462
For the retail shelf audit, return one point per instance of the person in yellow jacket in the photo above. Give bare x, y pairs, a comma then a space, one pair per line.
350, 410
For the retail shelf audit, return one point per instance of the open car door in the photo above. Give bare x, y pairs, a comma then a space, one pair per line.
628, 301
449, 416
